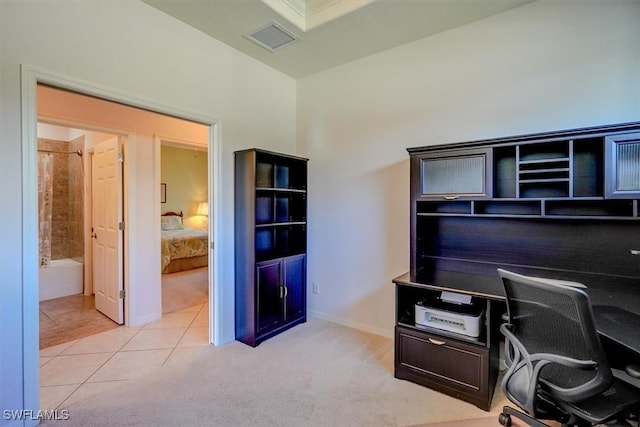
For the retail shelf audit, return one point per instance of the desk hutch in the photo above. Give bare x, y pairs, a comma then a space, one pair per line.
561, 205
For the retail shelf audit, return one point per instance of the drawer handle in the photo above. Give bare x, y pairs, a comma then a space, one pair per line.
451, 197
436, 342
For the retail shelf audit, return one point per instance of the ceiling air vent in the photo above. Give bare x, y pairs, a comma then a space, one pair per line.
272, 37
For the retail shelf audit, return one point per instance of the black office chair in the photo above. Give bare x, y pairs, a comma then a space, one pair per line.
557, 367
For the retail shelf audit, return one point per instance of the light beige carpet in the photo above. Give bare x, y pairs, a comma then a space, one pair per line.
316, 374
184, 289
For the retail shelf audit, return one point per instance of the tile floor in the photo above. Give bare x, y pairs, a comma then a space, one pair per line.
69, 318
76, 369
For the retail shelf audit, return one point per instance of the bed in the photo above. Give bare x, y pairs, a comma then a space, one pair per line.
182, 248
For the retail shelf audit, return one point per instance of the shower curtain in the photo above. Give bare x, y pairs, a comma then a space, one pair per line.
45, 202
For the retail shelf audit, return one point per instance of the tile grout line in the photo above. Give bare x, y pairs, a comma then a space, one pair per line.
119, 350
97, 369
180, 339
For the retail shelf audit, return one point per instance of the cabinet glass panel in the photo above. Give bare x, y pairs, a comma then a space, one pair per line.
628, 166
455, 176
623, 166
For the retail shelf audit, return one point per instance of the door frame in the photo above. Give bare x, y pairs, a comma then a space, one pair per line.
30, 78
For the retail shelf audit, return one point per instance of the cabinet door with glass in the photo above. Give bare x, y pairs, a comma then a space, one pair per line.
453, 175
622, 165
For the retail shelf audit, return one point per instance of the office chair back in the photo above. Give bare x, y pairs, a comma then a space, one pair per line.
549, 318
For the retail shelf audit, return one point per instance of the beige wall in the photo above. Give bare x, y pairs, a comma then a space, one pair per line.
545, 66
184, 171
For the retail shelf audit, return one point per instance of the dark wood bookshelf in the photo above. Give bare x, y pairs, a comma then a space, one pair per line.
270, 243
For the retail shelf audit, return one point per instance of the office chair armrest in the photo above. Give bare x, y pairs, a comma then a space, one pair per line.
565, 361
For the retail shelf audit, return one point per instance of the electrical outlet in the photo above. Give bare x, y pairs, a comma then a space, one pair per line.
316, 288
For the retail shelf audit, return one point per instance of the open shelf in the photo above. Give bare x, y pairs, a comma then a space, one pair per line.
588, 167
278, 240
273, 172
544, 170
409, 296
590, 208
444, 207
279, 206
508, 207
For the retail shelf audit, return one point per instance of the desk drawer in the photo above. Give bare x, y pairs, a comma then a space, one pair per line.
445, 364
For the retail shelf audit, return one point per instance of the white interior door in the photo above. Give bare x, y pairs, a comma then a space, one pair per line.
106, 233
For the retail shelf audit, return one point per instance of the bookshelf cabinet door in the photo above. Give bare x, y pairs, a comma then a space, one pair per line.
295, 273
269, 284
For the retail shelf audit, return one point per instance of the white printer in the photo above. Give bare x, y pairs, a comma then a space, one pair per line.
451, 312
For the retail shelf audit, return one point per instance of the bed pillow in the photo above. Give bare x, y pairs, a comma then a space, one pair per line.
171, 222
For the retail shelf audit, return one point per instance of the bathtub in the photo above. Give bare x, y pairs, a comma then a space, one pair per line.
63, 277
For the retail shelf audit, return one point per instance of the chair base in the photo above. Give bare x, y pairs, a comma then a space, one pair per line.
507, 412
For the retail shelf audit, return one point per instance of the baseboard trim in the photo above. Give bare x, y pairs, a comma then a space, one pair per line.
351, 324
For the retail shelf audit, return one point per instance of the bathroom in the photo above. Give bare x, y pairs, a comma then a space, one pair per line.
60, 211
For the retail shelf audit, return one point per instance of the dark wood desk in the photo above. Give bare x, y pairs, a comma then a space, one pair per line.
615, 302
550, 205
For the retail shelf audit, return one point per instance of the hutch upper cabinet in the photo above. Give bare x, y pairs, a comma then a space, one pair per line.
270, 243
623, 158
454, 175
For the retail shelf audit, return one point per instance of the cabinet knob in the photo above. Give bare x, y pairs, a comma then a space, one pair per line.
436, 342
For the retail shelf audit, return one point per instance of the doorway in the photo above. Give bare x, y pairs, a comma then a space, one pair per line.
31, 79
67, 303
141, 159
184, 224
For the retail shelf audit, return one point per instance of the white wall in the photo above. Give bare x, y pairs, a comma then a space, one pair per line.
546, 66
136, 50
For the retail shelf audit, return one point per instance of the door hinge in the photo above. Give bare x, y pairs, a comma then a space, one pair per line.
212, 245
122, 294
121, 226
121, 157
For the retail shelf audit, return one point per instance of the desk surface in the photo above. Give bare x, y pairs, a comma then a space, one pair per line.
619, 325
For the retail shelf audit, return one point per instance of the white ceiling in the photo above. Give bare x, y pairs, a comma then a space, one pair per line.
341, 35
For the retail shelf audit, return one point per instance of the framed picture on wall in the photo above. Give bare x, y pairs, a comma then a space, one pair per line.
163, 193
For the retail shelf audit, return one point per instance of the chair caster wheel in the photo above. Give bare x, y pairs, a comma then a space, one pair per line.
504, 419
